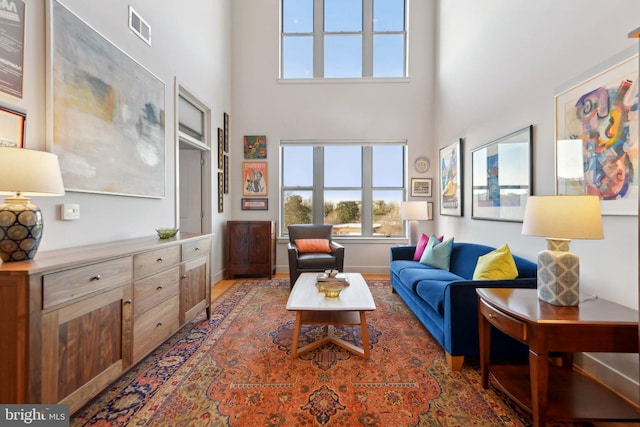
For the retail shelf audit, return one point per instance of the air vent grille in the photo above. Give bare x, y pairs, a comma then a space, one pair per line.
139, 26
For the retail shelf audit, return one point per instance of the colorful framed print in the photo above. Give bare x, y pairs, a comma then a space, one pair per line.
255, 204
220, 148
451, 179
254, 177
501, 177
12, 128
421, 187
597, 139
255, 147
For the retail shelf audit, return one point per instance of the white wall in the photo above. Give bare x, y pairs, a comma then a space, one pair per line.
281, 111
500, 64
190, 41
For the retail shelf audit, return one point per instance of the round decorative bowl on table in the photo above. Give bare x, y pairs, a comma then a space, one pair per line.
331, 289
166, 233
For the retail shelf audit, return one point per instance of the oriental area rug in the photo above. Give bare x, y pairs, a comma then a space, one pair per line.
236, 369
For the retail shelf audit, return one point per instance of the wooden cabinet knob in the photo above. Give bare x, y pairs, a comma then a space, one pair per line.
129, 301
160, 287
158, 324
184, 276
160, 260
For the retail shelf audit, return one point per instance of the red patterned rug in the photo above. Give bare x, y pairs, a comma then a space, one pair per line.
236, 370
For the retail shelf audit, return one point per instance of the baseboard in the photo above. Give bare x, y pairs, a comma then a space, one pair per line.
603, 368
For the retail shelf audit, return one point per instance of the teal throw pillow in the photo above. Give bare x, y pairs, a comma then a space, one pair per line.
437, 254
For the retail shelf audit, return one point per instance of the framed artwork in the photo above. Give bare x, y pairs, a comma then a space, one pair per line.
451, 179
254, 176
502, 177
226, 132
226, 174
220, 192
421, 187
12, 128
106, 124
255, 147
220, 148
597, 139
12, 25
255, 204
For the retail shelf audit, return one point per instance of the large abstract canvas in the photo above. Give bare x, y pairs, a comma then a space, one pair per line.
597, 138
106, 113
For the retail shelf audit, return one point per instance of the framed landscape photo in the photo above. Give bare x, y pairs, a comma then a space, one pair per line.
597, 138
451, 179
421, 187
502, 177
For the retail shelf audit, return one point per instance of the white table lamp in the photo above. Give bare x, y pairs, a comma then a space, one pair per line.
560, 219
414, 212
25, 173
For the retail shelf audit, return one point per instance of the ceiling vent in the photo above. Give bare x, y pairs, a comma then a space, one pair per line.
139, 26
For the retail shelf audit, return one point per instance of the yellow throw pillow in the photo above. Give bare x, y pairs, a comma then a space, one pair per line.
496, 265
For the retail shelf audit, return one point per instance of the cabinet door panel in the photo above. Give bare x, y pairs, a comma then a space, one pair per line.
238, 240
259, 251
194, 293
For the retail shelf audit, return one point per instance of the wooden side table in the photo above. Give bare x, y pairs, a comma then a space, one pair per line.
559, 393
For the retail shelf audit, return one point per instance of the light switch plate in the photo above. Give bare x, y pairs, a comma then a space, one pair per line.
69, 211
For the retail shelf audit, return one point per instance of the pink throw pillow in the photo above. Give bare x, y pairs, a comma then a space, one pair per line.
422, 243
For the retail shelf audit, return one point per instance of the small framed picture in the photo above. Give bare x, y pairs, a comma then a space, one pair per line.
11, 128
261, 204
421, 187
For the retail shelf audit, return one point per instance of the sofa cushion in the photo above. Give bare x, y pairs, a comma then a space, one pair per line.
437, 253
432, 292
496, 265
398, 266
411, 276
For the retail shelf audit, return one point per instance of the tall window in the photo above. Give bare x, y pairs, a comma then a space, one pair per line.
343, 38
356, 188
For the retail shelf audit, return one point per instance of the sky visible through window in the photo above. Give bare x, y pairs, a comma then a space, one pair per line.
343, 52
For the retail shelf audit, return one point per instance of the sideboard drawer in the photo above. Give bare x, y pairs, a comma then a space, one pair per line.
154, 326
67, 285
504, 322
155, 289
195, 248
154, 261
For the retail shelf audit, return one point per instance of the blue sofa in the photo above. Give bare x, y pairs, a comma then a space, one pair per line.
446, 301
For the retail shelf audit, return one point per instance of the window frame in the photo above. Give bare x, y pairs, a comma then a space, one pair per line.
368, 34
318, 189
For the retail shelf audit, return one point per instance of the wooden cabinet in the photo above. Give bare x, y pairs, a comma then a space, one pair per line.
251, 248
74, 320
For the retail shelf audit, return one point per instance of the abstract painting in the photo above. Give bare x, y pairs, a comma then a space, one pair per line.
255, 147
107, 122
597, 138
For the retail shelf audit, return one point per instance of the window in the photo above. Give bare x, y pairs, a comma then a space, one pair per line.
357, 188
343, 38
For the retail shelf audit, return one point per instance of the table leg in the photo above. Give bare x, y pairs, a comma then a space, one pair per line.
296, 335
539, 374
484, 334
365, 335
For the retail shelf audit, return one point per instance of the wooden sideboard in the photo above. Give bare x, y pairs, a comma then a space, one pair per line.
73, 320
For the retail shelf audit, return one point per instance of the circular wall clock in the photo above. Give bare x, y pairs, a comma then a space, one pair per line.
422, 164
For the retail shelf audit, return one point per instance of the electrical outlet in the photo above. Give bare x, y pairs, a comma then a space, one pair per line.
70, 212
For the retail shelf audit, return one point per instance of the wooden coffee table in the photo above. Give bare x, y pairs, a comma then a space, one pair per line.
313, 308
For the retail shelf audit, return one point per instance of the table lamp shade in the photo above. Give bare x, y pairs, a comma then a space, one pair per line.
25, 173
560, 219
413, 212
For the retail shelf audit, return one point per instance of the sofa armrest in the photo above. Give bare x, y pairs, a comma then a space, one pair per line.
461, 312
404, 253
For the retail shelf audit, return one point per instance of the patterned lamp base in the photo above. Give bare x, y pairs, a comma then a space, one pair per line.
558, 275
20, 229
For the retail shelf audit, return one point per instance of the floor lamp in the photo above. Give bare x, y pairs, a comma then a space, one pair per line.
560, 219
414, 212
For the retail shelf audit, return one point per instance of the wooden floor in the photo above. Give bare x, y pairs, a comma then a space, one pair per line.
218, 288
